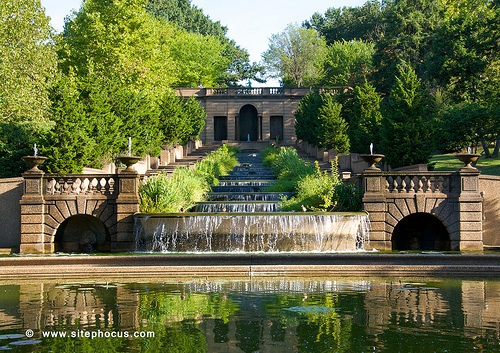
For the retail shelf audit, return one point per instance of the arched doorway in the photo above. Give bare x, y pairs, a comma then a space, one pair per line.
249, 123
82, 233
420, 231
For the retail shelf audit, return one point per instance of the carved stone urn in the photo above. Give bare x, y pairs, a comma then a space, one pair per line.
34, 162
129, 161
467, 158
372, 159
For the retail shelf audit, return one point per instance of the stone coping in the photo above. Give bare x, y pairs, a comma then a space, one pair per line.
248, 265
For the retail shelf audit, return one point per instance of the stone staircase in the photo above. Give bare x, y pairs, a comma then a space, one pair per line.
186, 161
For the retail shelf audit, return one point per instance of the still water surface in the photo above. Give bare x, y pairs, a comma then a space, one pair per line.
257, 315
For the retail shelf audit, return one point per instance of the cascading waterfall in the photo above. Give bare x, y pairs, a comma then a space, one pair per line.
259, 232
237, 207
241, 217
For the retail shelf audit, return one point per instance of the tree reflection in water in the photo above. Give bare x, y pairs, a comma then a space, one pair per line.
259, 315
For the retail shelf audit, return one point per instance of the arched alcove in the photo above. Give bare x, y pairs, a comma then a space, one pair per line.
249, 123
420, 231
82, 233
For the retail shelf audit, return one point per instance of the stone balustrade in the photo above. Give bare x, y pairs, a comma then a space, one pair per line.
77, 184
426, 182
453, 198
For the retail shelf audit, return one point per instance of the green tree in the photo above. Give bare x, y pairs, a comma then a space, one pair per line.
296, 55
350, 23
365, 121
117, 39
333, 132
466, 50
318, 121
469, 124
199, 60
348, 62
407, 40
188, 17
406, 129
306, 118
17, 139
93, 121
180, 119
28, 61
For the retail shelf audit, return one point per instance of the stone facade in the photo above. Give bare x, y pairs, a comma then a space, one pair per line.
49, 200
452, 197
11, 191
255, 114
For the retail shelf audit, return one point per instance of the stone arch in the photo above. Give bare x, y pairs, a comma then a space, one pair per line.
82, 233
420, 231
248, 123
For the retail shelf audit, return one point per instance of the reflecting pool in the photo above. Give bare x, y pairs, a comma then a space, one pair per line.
334, 314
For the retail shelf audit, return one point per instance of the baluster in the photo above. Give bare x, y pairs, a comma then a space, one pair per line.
397, 184
420, 185
103, 186
111, 185
426, 183
51, 186
440, 182
93, 186
403, 185
408, 185
388, 184
413, 183
76, 186
85, 185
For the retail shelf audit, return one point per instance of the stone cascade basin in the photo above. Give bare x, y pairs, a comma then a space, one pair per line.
241, 216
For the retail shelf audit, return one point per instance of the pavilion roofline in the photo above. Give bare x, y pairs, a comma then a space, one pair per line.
254, 91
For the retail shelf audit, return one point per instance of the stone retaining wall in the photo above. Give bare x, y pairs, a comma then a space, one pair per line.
489, 186
11, 191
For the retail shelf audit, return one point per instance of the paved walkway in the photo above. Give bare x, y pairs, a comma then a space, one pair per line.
248, 265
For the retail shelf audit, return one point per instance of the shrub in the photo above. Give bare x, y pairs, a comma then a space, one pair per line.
186, 186
289, 169
315, 189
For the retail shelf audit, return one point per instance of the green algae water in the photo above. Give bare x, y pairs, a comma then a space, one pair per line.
334, 314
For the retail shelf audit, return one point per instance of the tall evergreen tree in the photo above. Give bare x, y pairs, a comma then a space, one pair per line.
406, 129
365, 121
333, 132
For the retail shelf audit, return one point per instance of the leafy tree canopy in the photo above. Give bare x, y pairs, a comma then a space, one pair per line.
347, 63
296, 55
118, 39
234, 60
350, 23
28, 61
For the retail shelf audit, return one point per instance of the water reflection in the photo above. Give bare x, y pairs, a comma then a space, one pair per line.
264, 315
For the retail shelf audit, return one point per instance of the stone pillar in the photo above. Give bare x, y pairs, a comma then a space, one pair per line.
470, 227
127, 204
374, 202
266, 127
33, 237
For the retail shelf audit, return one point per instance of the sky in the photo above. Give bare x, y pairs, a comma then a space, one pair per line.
250, 22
